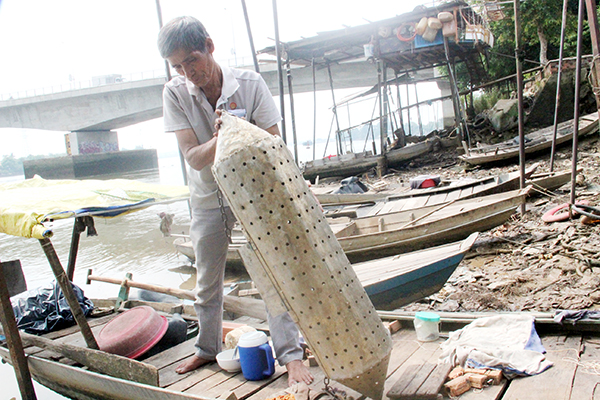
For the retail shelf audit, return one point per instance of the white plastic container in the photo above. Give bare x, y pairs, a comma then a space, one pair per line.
427, 326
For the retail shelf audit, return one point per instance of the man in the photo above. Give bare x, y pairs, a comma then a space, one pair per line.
192, 105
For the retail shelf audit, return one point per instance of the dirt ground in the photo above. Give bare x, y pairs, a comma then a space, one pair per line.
525, 264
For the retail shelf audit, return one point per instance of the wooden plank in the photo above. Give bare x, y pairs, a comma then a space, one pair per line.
75, 329
405, 344
190, 379
172, 355
205, 385
554, 383
434, 382
243, 388
74, 382
425, 352
96, 360
254, 390
587, 381
75, 339
406, 387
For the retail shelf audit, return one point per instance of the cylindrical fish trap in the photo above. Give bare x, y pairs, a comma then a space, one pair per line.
301, 256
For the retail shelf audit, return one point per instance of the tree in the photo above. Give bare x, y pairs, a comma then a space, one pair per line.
10, 166
540, 27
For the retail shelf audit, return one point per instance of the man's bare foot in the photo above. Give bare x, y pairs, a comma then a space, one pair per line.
298, 372
192, 363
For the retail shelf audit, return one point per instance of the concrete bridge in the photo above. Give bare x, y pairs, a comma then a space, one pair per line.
106, 107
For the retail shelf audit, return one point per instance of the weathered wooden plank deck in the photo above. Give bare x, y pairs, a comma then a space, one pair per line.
575, 374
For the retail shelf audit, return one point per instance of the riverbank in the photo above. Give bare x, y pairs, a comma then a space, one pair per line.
525, 264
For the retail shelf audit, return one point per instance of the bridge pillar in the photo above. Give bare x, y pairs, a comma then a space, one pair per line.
447, 107
91, 142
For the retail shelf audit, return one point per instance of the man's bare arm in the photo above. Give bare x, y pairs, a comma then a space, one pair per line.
197, 155
274, 130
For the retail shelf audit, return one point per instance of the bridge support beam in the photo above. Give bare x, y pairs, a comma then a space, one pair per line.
91, 142
447, 106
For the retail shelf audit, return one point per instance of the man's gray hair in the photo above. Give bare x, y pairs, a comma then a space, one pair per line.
185, 33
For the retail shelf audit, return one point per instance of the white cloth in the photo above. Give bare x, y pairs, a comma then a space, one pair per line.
507, 342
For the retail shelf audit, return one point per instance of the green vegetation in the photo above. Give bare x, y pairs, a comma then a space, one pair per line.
11, 166
540, 37
540, 29
488, 99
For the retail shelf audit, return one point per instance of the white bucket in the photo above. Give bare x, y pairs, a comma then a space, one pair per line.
427, 326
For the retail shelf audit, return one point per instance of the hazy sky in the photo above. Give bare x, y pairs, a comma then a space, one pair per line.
45, 43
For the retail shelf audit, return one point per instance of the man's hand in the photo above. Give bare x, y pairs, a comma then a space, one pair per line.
218, 122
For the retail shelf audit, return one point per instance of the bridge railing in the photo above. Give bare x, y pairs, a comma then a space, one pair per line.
86, 84
106, 80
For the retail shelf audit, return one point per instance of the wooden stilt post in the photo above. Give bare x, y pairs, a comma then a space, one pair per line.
407, 103
15, 346
292, 112
519, 72
595, 37
576, 105
279, 72
254, 59
381, 160
563, 28
67, 289
401, 136
338, 135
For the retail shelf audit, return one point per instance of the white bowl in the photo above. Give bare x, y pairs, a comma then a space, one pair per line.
227, 362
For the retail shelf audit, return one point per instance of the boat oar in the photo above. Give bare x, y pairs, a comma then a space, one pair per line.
238, 305
99, 361
428, 214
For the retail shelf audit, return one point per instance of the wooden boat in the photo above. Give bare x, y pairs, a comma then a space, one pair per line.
396, 281
357, 163
535, 142
549, 181
390, 283
391, 233
404, 198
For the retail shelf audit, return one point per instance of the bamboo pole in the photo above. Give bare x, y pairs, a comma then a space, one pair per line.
563, 28
279, 72
576, 105
338, 136
67, 289
314, 82
254, 59
292, 113
519, 72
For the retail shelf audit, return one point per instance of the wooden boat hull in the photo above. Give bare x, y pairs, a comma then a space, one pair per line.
362, 163
364, 238
551, 181
438, 195
540, 141
451, 223
397, 281
78, 383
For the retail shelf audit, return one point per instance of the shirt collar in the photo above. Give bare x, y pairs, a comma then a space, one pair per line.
230, 86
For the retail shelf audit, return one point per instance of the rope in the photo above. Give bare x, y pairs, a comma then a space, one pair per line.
579, 208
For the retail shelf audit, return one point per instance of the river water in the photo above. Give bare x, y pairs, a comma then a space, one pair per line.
130, 243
